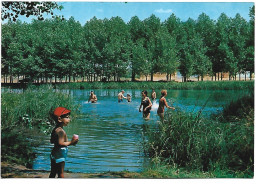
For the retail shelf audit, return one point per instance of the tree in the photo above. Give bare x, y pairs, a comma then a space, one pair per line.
250, 43
152, 25
206, 29
237, 43
166, 49
186, 57
137, 32
223, 27
12, 10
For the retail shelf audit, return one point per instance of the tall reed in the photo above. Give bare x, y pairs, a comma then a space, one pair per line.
200, 85
24, 116
191, 141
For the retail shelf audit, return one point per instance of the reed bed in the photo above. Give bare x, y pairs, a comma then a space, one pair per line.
190, 141
26, 115
200, 85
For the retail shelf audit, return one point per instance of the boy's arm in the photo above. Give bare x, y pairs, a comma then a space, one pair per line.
61, 135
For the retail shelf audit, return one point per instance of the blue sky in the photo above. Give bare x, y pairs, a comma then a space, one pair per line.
84, 11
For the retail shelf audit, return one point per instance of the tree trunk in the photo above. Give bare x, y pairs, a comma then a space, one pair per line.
151, 76
133, 76
184, 78
170, 77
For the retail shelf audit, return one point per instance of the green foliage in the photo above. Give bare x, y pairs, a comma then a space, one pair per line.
110, 49
196, 143
34, 103
11, 10
25, 116
200, 85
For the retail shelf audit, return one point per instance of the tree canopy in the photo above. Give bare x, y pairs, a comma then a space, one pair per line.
11, 10
110, 49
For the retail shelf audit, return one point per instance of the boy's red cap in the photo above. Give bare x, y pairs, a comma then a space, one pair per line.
59, 111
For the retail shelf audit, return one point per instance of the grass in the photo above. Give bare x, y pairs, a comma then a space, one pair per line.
218, 146
24, 117
200, 85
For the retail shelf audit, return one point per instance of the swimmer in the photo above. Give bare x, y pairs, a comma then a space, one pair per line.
162, 104
92, 97
153, 96
147, 105
121, 96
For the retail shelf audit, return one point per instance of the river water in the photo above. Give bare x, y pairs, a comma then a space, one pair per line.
110, 133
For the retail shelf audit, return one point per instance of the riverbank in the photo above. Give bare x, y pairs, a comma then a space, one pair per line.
9, 170
18, 171
199, 85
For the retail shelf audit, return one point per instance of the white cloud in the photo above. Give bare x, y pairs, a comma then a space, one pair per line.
163, 11
100, 10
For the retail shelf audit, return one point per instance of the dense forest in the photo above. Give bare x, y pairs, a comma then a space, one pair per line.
110, 49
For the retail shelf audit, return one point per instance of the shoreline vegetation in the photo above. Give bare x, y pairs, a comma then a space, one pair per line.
198, 85
219, 147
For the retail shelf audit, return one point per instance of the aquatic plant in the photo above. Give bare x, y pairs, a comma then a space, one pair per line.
197, 143
24, 116
200, 85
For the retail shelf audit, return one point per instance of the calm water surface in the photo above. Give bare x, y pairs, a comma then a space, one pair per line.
110, 133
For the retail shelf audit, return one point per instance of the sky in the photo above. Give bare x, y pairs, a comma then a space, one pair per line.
84, 11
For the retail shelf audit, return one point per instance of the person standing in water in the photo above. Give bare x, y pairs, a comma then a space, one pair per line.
92, 97
120, 96
153, 96
147, 105
162, 104
128, 97
59, 138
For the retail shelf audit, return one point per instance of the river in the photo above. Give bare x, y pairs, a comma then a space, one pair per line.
110, 133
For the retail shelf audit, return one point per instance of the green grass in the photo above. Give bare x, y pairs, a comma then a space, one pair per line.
201, 85
24, 116
200, 144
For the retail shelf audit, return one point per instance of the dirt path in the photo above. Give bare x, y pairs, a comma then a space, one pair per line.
18, 171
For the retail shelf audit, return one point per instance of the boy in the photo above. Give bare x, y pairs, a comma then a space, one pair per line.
128, 98
59, 138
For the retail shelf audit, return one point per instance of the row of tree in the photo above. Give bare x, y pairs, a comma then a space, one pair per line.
109, 49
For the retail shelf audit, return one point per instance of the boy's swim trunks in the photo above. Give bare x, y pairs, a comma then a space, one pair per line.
59, 154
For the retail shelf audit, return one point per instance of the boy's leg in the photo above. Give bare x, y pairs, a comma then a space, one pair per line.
60, 170
53, 169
